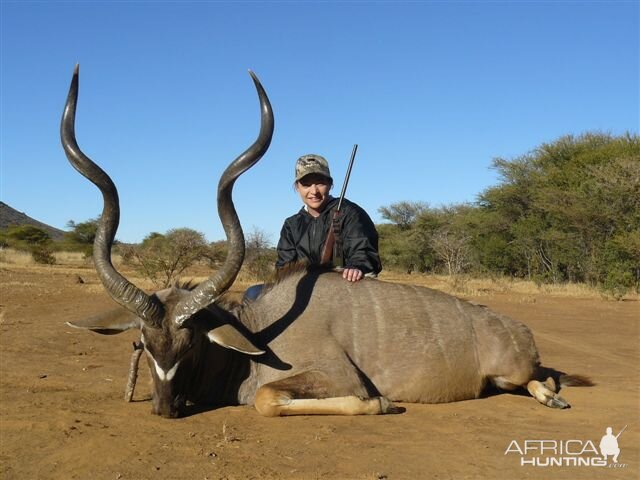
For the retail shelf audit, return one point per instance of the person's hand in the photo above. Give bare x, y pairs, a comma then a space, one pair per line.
352, 274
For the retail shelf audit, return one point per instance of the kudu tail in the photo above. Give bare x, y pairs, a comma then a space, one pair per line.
562, 379
575, 381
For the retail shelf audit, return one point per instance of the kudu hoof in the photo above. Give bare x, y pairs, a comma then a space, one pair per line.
386, 406
557, 402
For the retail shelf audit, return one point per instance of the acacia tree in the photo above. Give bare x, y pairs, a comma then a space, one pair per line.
403, 242
31, 239
403, 214
398, 248
571, 207
260, 256
163, 257
452, 248
81, 236
567, 211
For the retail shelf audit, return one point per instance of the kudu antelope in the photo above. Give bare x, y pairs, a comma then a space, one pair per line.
312, 343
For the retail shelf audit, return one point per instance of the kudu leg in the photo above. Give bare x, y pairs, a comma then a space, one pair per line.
544, 392
138, 348
308, 393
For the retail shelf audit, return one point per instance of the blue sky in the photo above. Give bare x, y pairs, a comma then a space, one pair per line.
431, 92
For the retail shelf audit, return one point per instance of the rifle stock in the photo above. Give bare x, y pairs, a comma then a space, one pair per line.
330, 252
327, 250
332, 249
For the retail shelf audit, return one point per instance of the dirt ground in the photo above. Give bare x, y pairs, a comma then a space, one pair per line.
62, 414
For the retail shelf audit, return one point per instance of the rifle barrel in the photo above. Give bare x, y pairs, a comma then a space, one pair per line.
625, 427
346, 178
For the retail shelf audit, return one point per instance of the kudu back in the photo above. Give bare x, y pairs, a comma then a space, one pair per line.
311, 343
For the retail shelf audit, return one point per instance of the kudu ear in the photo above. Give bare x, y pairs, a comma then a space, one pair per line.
110, 322
228, 336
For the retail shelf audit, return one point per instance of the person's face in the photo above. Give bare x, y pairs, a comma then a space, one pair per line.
314, 192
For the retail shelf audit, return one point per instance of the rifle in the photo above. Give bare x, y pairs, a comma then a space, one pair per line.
332, 250
625, 427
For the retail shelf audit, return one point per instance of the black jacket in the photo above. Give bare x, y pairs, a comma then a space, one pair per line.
303, 236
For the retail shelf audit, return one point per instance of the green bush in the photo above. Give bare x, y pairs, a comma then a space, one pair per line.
568, 211
43, 254
81, 236
163, 257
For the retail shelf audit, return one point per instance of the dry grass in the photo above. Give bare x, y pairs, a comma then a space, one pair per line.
69, 259
462, 285
476, 287
15, 257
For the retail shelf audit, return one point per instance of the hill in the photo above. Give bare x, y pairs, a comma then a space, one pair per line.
10, 217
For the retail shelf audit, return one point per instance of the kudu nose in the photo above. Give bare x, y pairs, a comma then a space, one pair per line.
168, 407
167, 412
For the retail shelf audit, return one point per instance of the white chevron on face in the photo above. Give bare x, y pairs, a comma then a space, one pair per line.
165, 376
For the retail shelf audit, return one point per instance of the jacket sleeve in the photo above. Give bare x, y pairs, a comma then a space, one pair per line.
286, 247
360, 241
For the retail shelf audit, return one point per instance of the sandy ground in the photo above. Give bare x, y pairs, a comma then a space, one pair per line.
63, 417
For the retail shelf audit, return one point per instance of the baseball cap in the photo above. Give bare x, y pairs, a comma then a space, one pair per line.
312, 163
